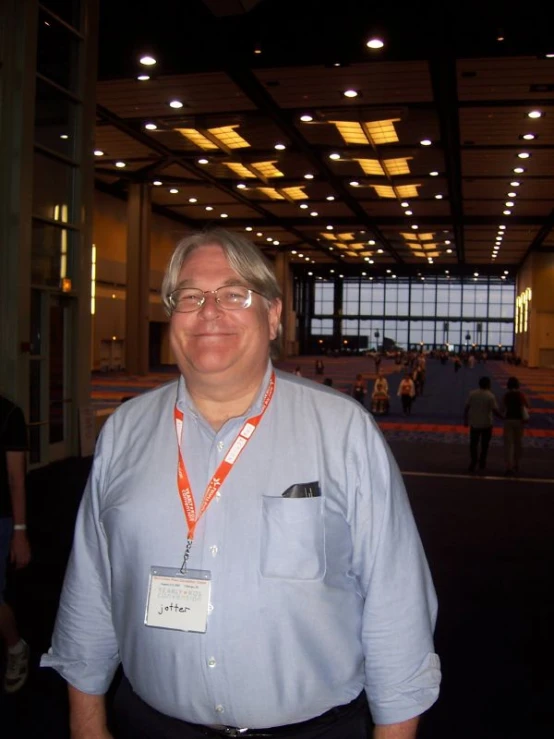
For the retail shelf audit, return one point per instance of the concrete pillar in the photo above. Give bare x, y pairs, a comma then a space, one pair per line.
138, 279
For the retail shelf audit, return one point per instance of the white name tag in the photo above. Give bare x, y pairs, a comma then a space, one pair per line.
178, 600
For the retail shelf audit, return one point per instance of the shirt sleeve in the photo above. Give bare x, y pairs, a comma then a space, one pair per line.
84, 646
402, 669
15, 433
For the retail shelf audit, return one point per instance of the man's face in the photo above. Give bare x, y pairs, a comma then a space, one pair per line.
227, 344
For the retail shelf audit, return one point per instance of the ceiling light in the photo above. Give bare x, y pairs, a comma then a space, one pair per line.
306, 118
415, 226
512, 194
224, 215
303, 206
150, 126
354, 183
202, 161
438, 197
330, 197
120, 165
519, 170
375, 43
529, 136
404, 204
449, 251
308, 176
174, 191
98, 153
502, 228
433, 174
426, 142
64, 136
371, 242
157, 183
523, 155
175, 104
447, 241
275, 242
193, 200
379, 251
314, 213
510, 204
241, 186
269, 238
143, 77
301, 256
506, 272
248, 228
329, 228
507, 212
334, 156
280, 147
408, 212
534, 114
259, 233
293, 251
515, 183
209, 207
350, 93
147, 61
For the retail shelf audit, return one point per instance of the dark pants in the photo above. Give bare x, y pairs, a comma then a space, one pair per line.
406, 404
135, 719
482, 436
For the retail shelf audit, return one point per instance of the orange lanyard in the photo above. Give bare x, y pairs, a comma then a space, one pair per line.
220, 475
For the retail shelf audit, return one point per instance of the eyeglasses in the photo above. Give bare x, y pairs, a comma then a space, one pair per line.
229, 297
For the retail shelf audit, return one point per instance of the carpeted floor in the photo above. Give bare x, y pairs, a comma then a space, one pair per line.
489, 540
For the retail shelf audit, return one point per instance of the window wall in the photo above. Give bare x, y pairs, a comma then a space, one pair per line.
431, 311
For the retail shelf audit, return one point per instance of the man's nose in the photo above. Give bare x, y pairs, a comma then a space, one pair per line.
210, 307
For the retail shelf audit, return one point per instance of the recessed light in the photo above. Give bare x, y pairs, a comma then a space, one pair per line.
120, 165
209, 207
519, 170
276, 242
143, 77
529, 136
404, 204
259, 233
354, 183
375, 43
308, 176
175, 104
248, 228
173, 191
379, 251
426, 142
147, 61
314, 213
64, 136
241, 186
303, 206
98, 153
330, 197
534, 114
515, 183
408, 212
150, 126
415, 226
506, 272
203, 161
306, 118
507, 212
350, 93
280, 147
157, 183
224, 215
512, 194
329, 228
502, 228
523, 155
438, 196
334, 155
433, 174
193, 200
449, 251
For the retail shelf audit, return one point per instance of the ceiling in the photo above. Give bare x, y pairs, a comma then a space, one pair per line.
443, 75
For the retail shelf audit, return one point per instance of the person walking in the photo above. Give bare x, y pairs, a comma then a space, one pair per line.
359, 389
479, 410
406, 392
515, 409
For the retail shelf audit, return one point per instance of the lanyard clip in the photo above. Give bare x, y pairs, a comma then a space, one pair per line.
186, 556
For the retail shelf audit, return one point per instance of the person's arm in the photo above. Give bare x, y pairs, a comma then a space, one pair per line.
403, 730
87, 715
20, 551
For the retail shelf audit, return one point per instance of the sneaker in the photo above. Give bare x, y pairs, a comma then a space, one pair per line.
17, 669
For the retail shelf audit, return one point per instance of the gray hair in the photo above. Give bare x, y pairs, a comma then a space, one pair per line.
243, 256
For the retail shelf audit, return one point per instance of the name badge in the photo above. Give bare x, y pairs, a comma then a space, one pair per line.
178, 600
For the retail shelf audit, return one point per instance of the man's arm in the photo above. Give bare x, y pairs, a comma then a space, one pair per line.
403, 730
87, 715
20, 550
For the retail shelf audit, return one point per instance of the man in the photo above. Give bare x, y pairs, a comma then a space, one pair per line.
478, 414
14, 545
245, 547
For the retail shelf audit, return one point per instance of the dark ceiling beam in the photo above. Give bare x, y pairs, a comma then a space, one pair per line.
391, 222
443, 79
150, 142
541, 236
247, 81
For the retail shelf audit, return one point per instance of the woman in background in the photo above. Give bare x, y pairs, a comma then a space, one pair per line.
514, 409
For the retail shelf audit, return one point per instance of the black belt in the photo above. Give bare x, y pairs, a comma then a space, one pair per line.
327, 718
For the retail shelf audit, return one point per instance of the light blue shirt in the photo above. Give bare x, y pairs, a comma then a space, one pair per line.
313, 599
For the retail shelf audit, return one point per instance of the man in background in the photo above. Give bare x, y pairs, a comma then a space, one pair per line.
479, 410
14, 545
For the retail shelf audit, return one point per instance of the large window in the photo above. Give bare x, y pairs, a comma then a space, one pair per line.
431, 311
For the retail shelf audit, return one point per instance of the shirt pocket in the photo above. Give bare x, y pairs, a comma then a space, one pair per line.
293, 538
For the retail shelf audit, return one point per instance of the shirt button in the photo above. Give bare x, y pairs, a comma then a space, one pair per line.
220, 445
219, 708
213, 550
212, 662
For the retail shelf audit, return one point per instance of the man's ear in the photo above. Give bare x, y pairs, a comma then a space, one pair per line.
274, 317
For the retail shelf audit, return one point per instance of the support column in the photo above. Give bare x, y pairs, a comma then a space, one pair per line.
288, 316
137, 307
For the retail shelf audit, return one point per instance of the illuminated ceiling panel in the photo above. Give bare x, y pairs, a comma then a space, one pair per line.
351, 132
240, 169
384, 191
197, 138
408, 191
397, 166
266, 169
374, 132
271, 192
371, 166
295, 193
383, 132
229, 137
